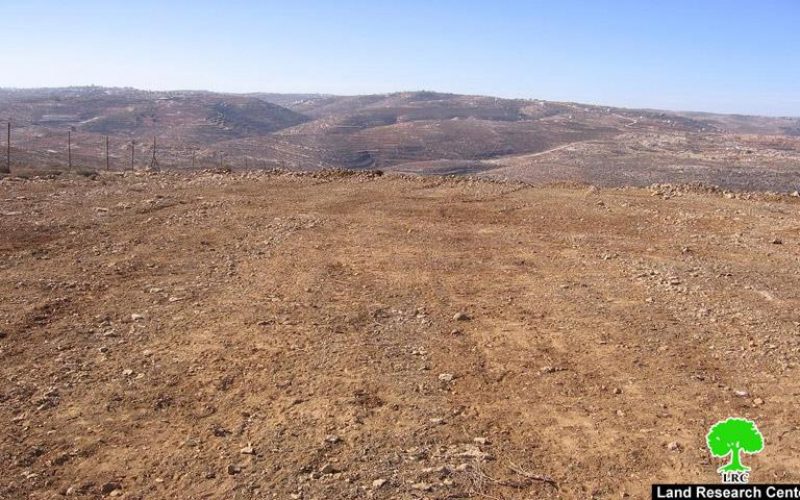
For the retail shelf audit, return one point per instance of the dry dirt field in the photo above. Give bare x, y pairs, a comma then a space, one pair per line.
295, 336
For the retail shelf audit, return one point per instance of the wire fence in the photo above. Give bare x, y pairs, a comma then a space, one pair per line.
26, 151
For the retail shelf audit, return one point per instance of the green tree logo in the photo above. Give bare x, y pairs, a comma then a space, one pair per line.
731, 437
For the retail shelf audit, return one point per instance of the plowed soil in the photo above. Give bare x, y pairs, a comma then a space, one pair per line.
295, 336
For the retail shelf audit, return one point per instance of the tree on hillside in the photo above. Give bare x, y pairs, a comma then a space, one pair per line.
731, 437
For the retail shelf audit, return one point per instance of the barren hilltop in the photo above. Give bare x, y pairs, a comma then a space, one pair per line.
351, 335
414, 132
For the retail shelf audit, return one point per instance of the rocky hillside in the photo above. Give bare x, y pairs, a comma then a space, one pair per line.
413, 132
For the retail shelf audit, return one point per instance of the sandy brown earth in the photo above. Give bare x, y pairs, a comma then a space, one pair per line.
284, 336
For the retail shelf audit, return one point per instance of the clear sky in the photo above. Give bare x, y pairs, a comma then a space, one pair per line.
714, 55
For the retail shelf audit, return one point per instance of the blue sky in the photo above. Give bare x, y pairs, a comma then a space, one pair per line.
724, 56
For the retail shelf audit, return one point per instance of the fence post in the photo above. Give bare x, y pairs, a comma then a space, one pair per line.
133, 149
69, 149
154, 162
108, 162
7, 170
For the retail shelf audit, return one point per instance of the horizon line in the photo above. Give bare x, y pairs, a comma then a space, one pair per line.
326, 94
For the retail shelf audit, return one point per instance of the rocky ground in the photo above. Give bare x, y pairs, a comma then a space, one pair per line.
272, 335
641, 158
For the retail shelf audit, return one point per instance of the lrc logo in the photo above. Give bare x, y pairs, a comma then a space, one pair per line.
733, 437
735, 477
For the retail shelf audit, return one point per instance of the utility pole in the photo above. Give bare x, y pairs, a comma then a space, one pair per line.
108, 162
133, 148
8, 149
69, 149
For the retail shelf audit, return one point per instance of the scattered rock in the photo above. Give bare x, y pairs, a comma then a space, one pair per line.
332, 438
378, 483
191, 443
758, 402
446, 377
248, 450
481, 441
219, 431
673, 446
234, 469
461, 316
739, 393
127, 372
110, 486
475, 453
328, 469
422, 486
137, 317
777, 241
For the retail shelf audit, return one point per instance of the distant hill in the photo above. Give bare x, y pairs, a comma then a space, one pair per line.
196, 117
422, 132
